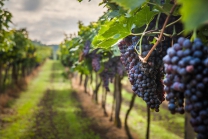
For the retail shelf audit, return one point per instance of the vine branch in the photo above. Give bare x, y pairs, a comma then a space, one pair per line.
179, 19
140, 43
151, 32
144, 60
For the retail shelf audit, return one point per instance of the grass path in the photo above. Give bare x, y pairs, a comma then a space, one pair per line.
163, 124
47, 110
26, 105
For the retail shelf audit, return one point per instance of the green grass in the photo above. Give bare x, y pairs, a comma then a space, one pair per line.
26, 105
163, 118
67, 109
163, 124
33, 115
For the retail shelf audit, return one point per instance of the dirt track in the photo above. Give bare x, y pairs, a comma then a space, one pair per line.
100, 123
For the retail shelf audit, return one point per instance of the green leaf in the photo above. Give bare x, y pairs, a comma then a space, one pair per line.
157, 2
96, 40
106, 26
194, 13
114, 13
111, 32
202, 37
166, 9
144, 16
115, 50
204, 30
74, 49
107, 43
129, 4
118, 28
109, 38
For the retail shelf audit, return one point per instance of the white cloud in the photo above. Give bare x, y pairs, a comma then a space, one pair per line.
33, 5
48, 20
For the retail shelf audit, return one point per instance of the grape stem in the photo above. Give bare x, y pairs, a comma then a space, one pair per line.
173, 22
180, 32
157, 21
152, 3
140, 34
194, 35
144, 60
165, 34
140, 42
151, 32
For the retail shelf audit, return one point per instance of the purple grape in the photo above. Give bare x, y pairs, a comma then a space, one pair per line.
190, 71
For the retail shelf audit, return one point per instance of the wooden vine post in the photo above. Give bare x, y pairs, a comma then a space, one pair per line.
118, 98
1, 70
85, 83
6, 75
14, 73
127, 115
188, 130
23, 69
148, 123
80, 79
104, 96
95, 91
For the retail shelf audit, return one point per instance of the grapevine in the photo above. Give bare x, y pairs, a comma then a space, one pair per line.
186, 68
161, 46
161, 51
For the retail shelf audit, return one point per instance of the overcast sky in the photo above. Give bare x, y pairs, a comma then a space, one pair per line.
48, 20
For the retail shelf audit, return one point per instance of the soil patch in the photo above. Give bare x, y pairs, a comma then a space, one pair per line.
99, 122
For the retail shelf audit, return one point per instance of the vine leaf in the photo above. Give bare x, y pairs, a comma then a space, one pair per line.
107, 43
74, 49
129, 4
115, 50
110, 33
144, 16
114, 13
204, 30
165, 8
194, 13
118, 28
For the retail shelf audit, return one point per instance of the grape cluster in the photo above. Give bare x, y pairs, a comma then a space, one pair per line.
186, 67
146, 78
86, 48
95, 59
159, 21
162, 2
111, 68
93, 56
96, 62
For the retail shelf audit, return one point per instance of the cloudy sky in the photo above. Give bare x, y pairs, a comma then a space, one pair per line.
48, 20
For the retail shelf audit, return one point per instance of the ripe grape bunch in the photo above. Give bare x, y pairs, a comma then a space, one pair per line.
93, 56
111, 68
96, 62
86, 48
95, 59
186, 66
146, 78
